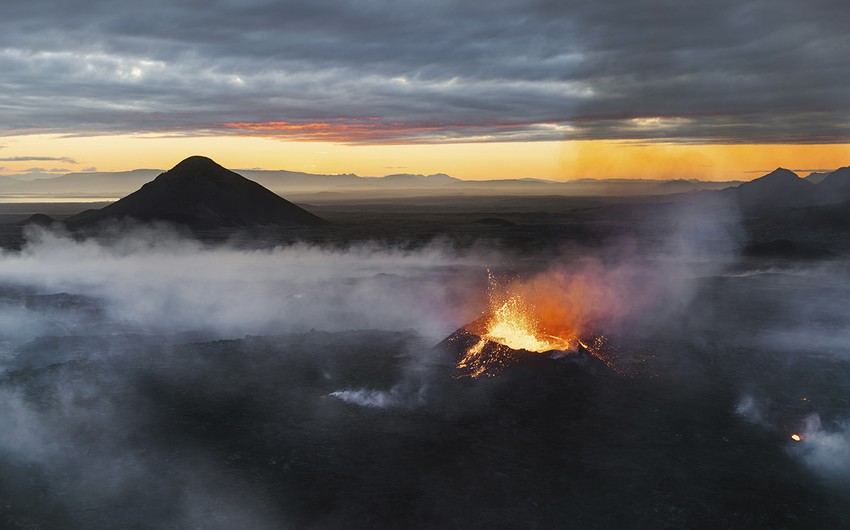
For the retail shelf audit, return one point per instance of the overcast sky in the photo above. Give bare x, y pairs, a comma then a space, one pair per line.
376, 71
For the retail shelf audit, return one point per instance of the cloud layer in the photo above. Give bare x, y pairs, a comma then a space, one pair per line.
444, 71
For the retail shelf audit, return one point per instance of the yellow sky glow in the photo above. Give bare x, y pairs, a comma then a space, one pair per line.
473, 161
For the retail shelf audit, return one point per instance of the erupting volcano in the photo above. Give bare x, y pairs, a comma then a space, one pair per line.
511, 327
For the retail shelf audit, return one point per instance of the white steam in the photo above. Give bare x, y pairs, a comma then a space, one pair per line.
155, 281
373, 398
825, 450
750, 409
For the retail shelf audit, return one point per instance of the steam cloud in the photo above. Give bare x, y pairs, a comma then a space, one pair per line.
827, 451
157, 280
151, 280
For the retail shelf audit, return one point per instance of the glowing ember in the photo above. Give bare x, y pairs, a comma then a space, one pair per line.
512, 325
797, 437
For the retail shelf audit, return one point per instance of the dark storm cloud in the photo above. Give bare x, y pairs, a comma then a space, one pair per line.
430, 71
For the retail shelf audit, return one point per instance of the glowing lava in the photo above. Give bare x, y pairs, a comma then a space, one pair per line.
797, 437
511, 326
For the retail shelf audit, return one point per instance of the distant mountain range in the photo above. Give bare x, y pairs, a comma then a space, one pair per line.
200, 194
777, 189
783, 188
118, 184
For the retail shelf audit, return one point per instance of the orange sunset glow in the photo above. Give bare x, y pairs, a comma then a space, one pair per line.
552, 160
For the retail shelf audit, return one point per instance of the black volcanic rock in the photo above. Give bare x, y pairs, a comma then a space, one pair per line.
199, 193
779, 188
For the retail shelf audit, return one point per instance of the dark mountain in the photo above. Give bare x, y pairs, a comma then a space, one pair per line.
835, 187
199, 193
779, 188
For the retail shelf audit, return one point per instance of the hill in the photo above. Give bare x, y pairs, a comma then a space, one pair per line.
779, 188
835, 187
199, 193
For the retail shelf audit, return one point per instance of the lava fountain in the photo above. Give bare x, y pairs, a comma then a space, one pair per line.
511, 327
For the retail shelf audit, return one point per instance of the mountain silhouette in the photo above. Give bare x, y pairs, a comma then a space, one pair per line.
817, 177
779, 188
199, 193
677, 186
407, 180
835, 187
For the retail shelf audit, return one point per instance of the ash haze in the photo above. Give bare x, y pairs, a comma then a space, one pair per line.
266, 264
